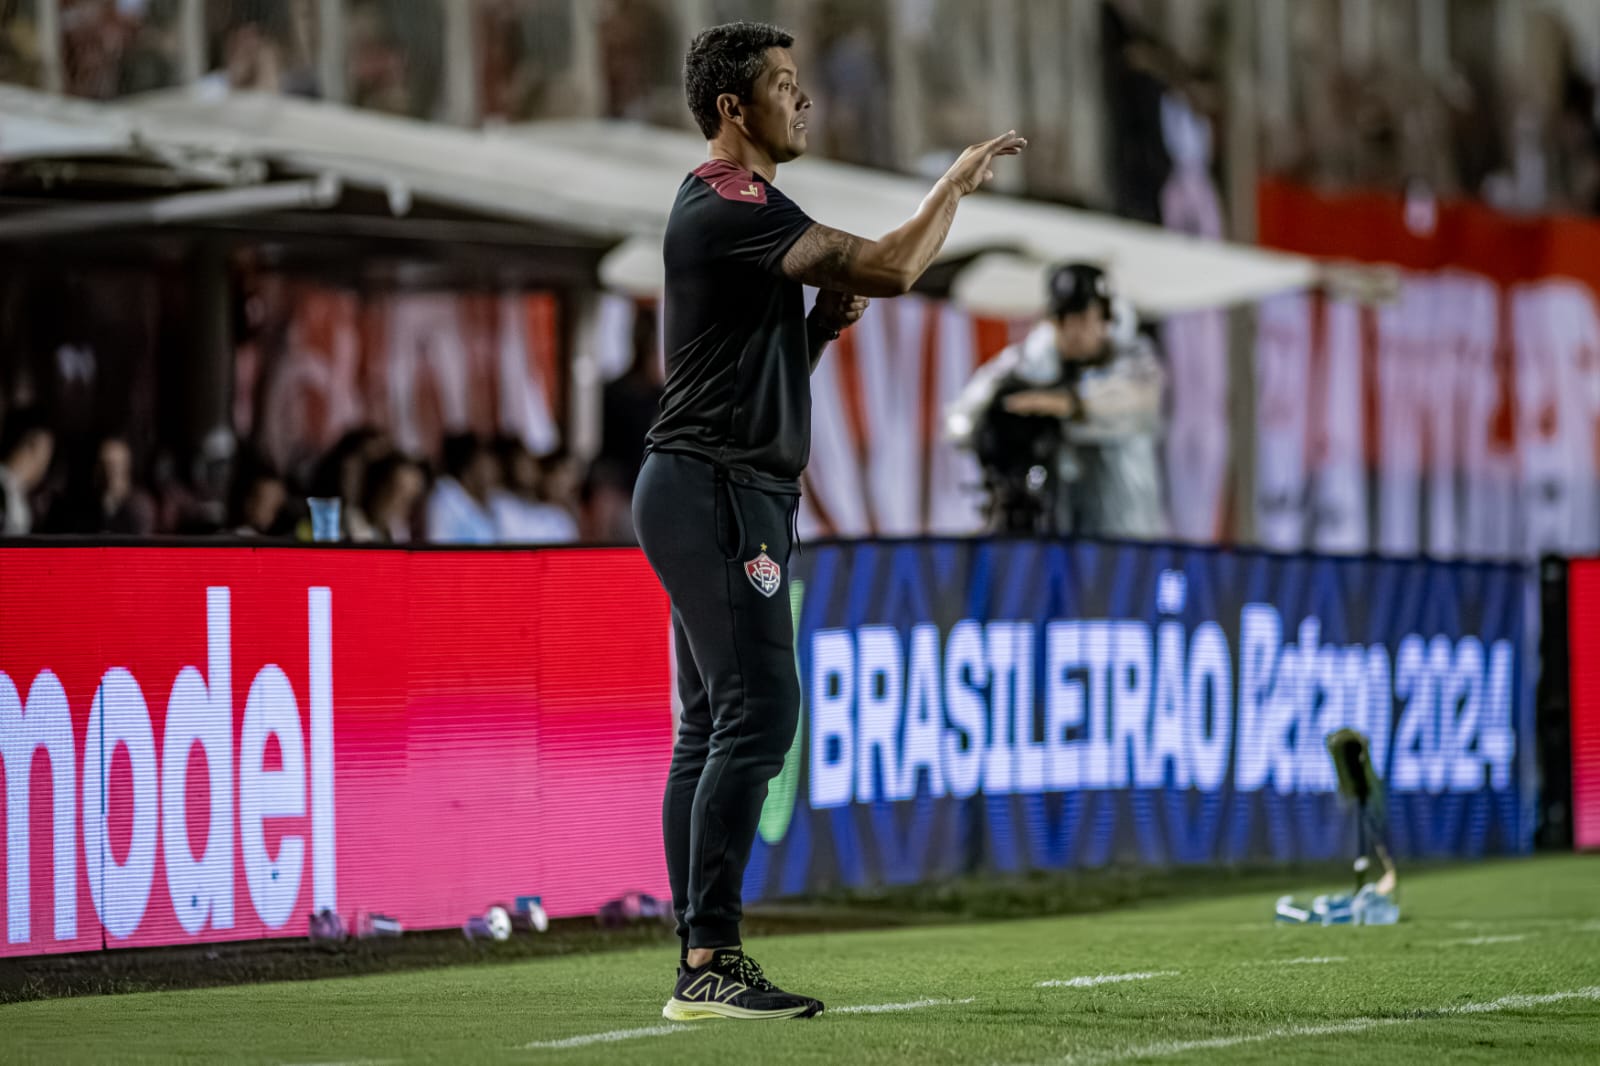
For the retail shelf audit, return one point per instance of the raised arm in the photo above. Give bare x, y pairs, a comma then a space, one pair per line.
889, 266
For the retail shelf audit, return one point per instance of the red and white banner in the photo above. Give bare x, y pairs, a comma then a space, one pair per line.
211, 743
1471, 402
319, 361
880, 462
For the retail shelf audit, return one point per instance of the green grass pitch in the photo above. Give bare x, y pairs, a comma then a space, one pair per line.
1495, 963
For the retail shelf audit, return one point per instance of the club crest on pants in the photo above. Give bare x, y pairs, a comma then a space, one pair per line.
764, 574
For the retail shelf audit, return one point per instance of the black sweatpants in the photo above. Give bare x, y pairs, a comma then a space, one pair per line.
720, 547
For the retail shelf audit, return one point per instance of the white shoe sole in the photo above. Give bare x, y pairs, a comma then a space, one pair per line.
679, 1011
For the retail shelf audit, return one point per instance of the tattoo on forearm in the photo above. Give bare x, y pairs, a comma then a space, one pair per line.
822, 257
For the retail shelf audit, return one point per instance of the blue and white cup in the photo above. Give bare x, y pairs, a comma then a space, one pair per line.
324, 518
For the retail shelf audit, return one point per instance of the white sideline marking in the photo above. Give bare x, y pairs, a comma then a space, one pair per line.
1168, 1048
1538, 924
663, 1030
1480, 941
888, 1008
1106, 979
605, 1038
1309, 960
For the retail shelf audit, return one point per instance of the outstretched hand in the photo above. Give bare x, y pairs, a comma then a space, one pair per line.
972, 169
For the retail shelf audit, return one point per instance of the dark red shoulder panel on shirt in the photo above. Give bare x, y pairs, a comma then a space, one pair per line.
731, 182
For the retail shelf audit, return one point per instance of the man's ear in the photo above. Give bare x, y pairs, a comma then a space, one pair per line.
730, 108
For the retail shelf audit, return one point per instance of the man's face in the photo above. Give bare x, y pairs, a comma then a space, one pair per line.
116, 468
524, 472
400, 496
559, 481
483, 476
267, 498
775, 117
409, 490
1082, 335
33, 459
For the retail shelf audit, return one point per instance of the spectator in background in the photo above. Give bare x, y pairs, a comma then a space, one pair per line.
151, 58
520, 515
1139, 70
632, 403
19, 43
93, 36
342, 472
561, 482
607, 498
526, 69
250, 61
262, 48
396, 55
375, 67
1574, 137
177, 504
393, 487
260, 499
853, 85
27, 445
639, 70
459, 506
106, 498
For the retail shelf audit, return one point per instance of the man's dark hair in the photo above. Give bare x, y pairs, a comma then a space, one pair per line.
460, 451
18, 428
727, 59
328, 477
381, 474
250, 468
508, 447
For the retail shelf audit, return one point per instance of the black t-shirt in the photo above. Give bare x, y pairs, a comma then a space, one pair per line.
738, 389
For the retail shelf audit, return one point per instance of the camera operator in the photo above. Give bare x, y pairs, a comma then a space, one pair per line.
1066, 423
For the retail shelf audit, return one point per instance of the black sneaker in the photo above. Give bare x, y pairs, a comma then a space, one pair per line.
732, 985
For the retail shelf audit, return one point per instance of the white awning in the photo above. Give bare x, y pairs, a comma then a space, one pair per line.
486, 171
35, 125
615, 182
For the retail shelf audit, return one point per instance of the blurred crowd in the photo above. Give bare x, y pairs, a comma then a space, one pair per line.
1523, 135
480, 491
1526, 138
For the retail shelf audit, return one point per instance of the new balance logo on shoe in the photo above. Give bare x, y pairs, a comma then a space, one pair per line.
712, 987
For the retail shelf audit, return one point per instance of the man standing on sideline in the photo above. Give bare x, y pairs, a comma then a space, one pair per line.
717, 497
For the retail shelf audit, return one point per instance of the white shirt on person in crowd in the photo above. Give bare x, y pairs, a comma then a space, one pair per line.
16, 517
454, 517
520, 521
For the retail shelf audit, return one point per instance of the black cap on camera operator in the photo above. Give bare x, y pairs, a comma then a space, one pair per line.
1066, 423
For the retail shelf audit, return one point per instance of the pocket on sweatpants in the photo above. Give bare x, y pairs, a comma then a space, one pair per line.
730, 520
